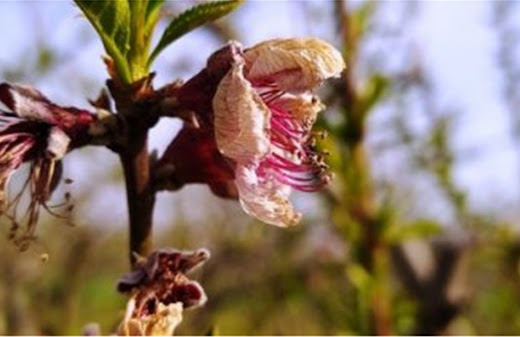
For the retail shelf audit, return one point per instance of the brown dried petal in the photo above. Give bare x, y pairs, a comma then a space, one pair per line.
160, 291
193, 157
162, 263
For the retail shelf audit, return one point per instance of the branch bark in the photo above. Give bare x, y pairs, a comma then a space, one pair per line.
134, 105
140, 196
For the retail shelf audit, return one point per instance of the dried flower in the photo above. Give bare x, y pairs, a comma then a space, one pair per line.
263, 115
40, 132
255, 113
193, 156
160, 290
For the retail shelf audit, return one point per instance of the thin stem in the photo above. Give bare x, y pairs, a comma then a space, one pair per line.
132, 147
140, 196
139, 107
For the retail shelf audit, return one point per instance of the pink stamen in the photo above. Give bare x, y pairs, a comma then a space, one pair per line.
271, 96
285, 130
290, 135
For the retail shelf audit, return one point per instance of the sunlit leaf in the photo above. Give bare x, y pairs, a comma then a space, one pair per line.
191, 19
153, 7
111, 20
153, 10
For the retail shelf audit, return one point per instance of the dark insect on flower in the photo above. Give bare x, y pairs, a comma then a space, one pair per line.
37, 131
160, 290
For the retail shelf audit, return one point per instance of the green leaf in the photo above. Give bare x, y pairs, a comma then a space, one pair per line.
139, 39
111, 20
359, 276
362, 16
191, 19
374, 91
153, 8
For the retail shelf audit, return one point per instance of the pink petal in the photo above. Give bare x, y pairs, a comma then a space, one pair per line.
265, 199
241, 119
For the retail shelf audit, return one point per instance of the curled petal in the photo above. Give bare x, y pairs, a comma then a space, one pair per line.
29, 104
266, 200
17, 142
26, 102
38, 131
197, 93
241, 118
57, 143
294, 64
161, 278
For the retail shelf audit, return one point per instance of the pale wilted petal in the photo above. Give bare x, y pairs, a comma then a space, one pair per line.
161, 323
161, 291
26, 102
57, 143
267, 201
241, 118
294, 64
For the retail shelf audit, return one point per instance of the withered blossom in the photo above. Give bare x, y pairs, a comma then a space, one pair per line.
38, 131
193, 156
256, 111
160, 291
263, 114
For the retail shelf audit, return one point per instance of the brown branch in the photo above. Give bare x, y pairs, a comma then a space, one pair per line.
139, 108
435, 308
133, 106
140, 196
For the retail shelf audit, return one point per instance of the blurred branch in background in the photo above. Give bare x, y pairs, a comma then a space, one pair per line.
508, 38
435, 308
357, 198
433, 154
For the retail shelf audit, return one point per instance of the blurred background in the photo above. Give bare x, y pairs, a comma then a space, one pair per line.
417, 234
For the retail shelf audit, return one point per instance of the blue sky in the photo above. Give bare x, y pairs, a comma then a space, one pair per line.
460, 50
